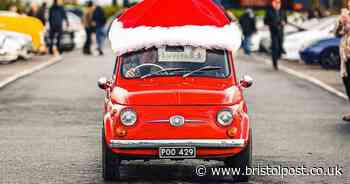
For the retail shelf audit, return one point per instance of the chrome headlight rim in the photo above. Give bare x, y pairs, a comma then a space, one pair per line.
223, 112
128, 112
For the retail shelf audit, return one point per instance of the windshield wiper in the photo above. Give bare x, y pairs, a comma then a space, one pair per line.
161, 71
205, 68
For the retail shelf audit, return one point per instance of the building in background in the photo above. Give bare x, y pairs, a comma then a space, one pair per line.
331, 5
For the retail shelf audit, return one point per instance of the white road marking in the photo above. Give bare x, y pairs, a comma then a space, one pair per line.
27, 72
308, 78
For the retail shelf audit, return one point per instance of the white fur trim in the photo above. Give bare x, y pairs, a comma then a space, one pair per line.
125, 40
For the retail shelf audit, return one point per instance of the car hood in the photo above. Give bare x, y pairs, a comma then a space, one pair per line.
300, 36
176, 94
298, 41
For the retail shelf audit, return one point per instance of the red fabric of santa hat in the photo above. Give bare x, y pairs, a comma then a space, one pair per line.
199, 23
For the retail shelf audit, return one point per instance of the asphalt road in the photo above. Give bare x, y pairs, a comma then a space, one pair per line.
50, 128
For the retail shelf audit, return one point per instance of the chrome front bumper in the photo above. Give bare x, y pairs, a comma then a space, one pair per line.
200, 143
8, 58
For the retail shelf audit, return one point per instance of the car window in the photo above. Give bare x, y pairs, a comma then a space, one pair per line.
186, 59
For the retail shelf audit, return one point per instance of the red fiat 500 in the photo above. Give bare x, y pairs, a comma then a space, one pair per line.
175, 103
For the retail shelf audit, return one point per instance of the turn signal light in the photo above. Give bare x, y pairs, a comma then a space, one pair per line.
231, 132
121, 132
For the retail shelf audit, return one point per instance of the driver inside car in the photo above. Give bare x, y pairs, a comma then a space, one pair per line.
131, 68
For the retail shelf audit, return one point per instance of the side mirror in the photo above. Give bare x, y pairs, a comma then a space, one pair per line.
246, 81
103, 83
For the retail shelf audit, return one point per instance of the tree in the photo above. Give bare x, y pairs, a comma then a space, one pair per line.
5, 4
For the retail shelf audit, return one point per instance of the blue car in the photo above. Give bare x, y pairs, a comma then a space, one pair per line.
324, 52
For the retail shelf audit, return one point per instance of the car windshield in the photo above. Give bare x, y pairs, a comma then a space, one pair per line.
175, 61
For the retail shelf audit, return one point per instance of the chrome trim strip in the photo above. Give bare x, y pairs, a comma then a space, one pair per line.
158, 121
205, 143
194, 121
168, 121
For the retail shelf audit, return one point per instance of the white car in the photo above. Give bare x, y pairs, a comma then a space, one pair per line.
73, 36
323, 29
259, 35
76, 26
264, 32
25, 42
265, 43
9, 49
13, 46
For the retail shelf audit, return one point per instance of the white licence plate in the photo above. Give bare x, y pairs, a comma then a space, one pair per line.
177, 152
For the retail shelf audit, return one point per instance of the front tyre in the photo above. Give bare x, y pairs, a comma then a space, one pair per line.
110, 163
330, 59
241, 161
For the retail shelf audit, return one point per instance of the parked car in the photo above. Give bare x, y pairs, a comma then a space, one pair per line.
77, 28
265, 42
263, 35
290, 28
24, 41
77, 11
9, 49
294, 42
325, 52
259, 35
73, 36
26, 25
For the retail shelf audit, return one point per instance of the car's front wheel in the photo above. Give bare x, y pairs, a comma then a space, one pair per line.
330, 59
241, 162
110, 163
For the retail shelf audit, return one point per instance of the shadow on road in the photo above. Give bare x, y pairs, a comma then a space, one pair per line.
165, 173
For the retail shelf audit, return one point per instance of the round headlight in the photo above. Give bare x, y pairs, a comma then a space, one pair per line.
128, 117
225, 117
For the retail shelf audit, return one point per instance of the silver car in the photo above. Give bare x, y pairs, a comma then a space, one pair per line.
9, 49
14, 43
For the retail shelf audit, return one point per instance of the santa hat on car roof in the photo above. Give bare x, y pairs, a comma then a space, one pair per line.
199, 23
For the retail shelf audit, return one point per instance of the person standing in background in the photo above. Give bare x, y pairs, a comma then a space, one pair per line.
248, 25
276, 19
343, 31
42, 13
33, 11
37, 12
99, 22
13, 8
57, 15
87, 21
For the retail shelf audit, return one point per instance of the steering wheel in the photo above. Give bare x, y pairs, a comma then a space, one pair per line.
131, 71
148, 64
